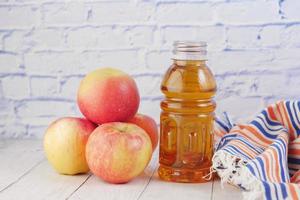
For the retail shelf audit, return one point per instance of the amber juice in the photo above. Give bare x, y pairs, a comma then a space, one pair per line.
186, 139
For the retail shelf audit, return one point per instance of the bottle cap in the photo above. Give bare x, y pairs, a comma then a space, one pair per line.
189, 50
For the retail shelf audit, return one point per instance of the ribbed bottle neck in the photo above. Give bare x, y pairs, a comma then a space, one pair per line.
189, 50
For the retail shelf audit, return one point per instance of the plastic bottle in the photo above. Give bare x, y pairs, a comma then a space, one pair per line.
186, 139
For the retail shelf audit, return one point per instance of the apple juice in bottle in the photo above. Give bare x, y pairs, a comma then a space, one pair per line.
187, 114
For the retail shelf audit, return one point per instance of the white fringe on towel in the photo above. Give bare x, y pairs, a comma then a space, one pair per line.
233, 170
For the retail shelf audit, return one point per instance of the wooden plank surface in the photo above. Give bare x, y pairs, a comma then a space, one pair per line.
95, 188
225, 192
17, 159
43, 183
158, 189
26, 174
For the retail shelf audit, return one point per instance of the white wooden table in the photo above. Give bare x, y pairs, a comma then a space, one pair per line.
26, 174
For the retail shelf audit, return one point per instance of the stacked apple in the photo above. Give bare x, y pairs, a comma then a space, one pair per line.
114, 142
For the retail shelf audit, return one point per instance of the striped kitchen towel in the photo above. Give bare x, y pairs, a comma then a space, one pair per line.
262, 157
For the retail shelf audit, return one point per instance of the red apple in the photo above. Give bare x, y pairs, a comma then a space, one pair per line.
117, 152
108, 95
149, 125
64, 144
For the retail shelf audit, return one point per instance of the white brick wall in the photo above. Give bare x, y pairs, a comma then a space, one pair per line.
47, 46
